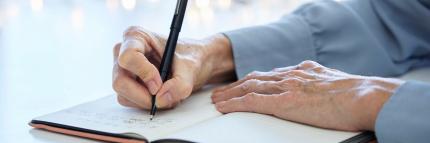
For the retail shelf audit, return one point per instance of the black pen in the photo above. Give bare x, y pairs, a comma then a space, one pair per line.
166, 61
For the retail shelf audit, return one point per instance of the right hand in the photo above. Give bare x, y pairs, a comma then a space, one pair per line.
136, 77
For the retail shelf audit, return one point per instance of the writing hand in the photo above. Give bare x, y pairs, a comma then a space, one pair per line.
136, 76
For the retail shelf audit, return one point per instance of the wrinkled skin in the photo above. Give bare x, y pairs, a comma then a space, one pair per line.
308, 93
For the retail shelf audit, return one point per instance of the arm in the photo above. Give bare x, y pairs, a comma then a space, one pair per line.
391, 35
405, 116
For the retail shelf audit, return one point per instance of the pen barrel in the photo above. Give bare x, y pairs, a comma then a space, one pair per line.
179, 15
169, 51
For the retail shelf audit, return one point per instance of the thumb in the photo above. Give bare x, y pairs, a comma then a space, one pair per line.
178, 87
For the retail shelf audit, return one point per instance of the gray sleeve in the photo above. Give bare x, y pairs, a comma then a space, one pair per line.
405, 117
366, 37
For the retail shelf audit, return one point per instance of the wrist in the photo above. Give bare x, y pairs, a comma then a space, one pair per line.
219, 58
370, 102
212, 59
215, 60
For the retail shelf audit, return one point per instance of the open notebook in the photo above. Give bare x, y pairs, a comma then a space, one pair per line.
195, 119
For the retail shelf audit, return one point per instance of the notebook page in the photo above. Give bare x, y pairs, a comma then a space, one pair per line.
252, 127
107, 115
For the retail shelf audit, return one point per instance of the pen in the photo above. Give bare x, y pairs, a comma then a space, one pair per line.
166, 61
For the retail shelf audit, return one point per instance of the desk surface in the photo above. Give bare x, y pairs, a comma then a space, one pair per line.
56, 54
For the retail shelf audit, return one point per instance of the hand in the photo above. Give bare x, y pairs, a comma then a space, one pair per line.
136, 61
311, 94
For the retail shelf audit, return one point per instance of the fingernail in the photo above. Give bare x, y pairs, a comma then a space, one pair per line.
152, 87
215, 96
167, 99
219, 106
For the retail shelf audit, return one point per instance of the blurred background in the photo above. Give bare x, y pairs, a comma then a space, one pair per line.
64, 47
58, 53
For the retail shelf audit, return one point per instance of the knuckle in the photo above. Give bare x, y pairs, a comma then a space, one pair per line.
253, 74
132, 30
138, 33
294, 72
307, 64
249, 85
318, 69
248, 99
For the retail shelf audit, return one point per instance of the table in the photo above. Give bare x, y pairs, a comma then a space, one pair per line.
58, 53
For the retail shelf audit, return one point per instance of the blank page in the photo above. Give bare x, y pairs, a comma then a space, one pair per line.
252, 127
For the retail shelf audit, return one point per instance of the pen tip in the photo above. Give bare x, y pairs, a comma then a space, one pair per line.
150, 118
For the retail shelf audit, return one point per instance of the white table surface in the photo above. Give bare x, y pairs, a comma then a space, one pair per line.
58, 53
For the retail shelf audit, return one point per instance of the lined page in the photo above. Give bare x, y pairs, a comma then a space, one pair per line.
107, 115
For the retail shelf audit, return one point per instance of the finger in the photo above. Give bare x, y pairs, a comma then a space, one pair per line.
301, 74
284, 69
125, 85
178, 87
251, 102
253, 85
263, 76
132, 58
116, 49
121, 100
308, 64
144, 36
124, 102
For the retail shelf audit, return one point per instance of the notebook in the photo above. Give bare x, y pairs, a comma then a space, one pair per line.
193, 120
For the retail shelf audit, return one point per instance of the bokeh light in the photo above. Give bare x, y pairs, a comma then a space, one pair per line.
128, 4
36, 5
224, 4
112, 5
77, 18
202, 3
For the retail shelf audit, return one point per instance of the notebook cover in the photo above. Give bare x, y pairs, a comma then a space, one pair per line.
364, 137
85, 133
96, 135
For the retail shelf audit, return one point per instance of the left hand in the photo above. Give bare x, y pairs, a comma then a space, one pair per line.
311, 94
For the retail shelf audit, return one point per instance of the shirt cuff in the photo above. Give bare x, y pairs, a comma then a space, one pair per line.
405, 117
280, 44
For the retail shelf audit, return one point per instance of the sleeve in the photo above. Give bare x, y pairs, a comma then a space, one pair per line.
405, 117
366, 37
